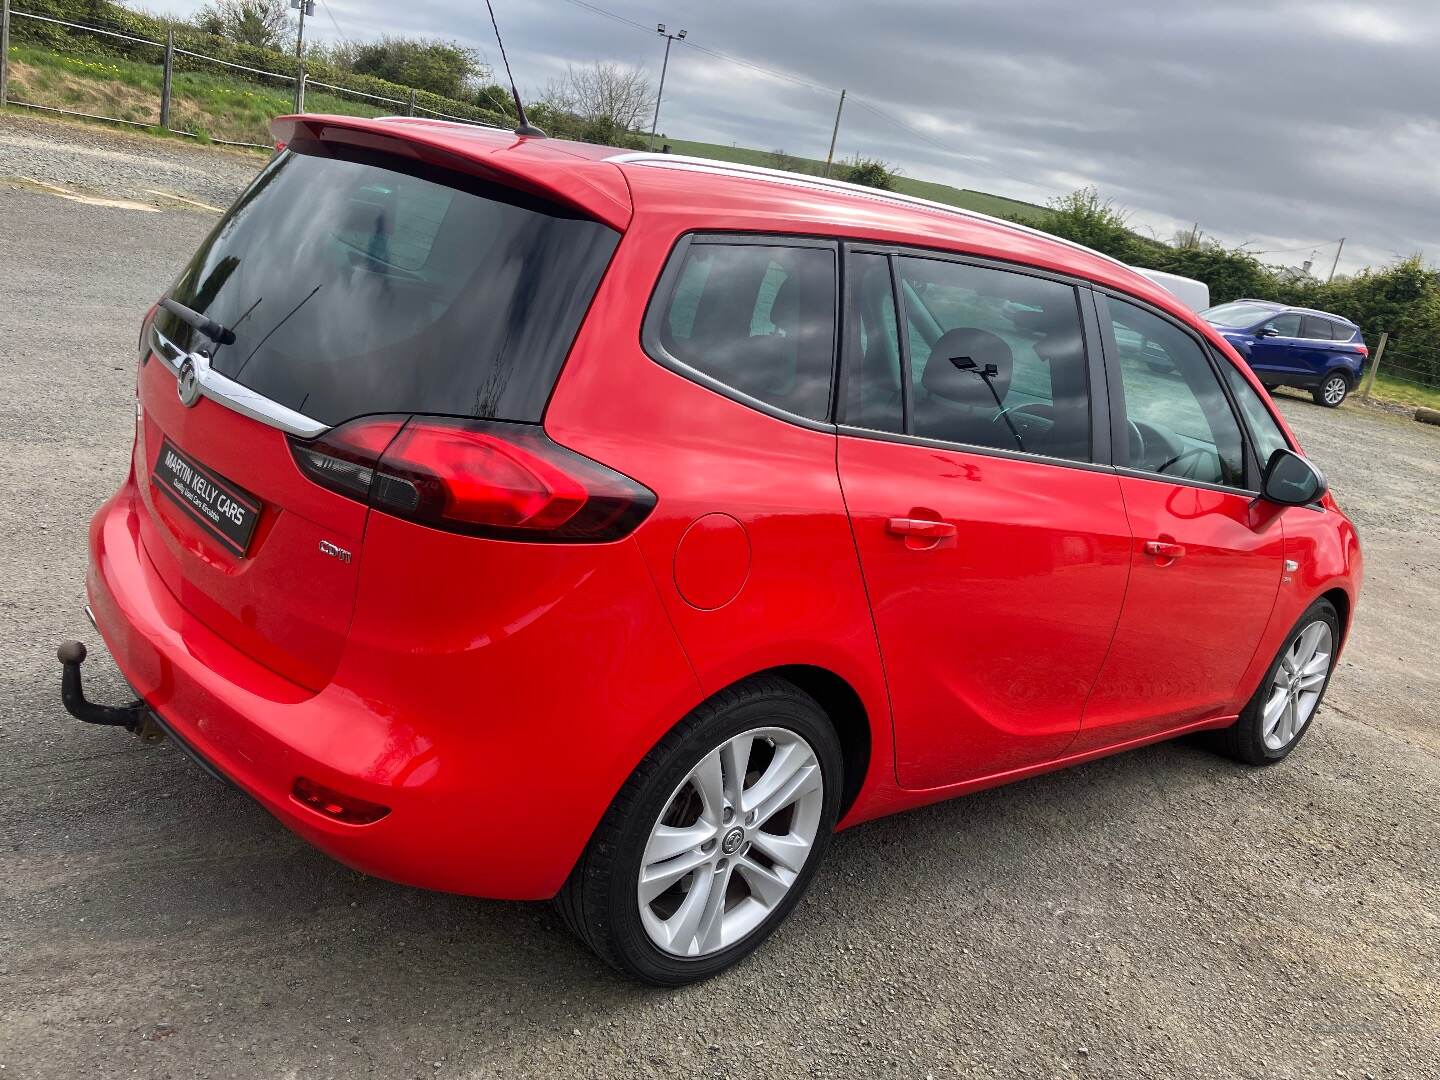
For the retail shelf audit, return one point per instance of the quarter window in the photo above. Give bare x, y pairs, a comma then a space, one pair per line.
1178, 422
757, 318
995, 359
1263, 428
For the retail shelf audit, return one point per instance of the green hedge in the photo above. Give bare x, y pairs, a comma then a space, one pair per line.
109, 16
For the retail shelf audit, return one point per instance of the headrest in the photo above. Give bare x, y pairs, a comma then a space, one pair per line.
965, 384
785, 308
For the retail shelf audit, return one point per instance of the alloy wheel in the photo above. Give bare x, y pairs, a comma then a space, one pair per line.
1297, 685
1334, 391
730, 842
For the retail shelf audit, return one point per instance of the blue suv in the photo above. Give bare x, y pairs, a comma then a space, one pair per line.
1292, 346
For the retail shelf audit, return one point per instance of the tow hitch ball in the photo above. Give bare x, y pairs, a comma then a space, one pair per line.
134, 718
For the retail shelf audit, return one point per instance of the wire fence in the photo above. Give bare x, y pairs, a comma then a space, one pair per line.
164, 116
1414, 365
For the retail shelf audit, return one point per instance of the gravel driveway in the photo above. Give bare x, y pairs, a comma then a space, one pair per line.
1159, 914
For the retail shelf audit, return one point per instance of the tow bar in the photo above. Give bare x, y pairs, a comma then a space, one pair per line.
134, 718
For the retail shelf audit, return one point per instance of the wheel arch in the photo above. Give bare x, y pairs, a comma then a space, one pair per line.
1340, 601
846, 710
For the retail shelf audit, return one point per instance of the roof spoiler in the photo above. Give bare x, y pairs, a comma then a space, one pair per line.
595, 188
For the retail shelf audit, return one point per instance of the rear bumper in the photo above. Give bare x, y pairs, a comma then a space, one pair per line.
489, 804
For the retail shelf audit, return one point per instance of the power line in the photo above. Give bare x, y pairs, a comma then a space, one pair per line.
609, 15
333, 23
1291, 251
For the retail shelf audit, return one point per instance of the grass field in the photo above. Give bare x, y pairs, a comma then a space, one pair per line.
964, 198
212, 106
1404, 393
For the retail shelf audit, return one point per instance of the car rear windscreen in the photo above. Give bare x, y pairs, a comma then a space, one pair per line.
359, 283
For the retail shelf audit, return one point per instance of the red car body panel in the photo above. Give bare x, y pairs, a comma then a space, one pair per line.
495, 695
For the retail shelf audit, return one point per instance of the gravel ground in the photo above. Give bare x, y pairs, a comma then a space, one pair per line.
119, 163
1159, 914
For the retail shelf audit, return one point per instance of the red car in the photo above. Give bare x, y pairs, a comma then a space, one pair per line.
529, 519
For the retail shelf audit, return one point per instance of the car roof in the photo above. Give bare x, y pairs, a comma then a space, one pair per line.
1297, 310
613, 184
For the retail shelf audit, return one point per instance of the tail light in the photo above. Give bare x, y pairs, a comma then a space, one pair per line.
478, 477
1364, 351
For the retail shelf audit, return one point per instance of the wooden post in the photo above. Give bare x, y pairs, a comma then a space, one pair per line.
165, 82
1374, 365
4, 49
410, 106
834, 133
300, 89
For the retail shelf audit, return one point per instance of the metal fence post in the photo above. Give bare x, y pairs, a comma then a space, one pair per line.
4, 50
300, 89
165, 83
410, 107
1374, 366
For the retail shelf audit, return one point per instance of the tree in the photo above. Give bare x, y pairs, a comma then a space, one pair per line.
872, 172
265, 24
446, 68
786, 162
617, 96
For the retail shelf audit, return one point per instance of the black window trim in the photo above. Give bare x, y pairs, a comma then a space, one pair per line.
1100, 442
652, 341
1120, 450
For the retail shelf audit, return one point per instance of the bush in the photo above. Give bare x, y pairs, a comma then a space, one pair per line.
871, 172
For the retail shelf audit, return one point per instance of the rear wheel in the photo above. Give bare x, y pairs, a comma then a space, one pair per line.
1281, 711
713, 839
1332, 390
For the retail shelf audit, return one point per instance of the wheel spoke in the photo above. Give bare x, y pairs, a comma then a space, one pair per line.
667, 841
1307, 644
1275, 711
788, 759
766, 886
656, 878
735, 759
709, 779
789, 851
685, 923
709, 932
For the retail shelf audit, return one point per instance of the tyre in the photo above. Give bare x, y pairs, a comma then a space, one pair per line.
713, 839
1280, 713
1332, 390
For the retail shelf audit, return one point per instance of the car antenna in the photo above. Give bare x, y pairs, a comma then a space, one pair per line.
524, 127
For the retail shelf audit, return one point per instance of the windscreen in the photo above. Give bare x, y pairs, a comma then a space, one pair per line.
359, 283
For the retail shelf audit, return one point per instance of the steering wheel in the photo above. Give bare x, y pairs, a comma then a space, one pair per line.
1184, 455
1149, 442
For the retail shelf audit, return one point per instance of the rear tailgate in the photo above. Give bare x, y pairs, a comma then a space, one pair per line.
362, 276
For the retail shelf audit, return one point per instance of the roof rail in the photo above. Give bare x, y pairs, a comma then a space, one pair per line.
825, 183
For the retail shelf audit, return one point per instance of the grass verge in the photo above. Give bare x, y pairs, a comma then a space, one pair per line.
1404, 393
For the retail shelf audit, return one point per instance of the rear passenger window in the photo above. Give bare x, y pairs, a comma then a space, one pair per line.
1341, 332
997, 359
1314, 327
873, 395
756, 318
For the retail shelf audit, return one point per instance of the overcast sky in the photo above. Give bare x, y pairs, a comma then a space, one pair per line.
1284, 125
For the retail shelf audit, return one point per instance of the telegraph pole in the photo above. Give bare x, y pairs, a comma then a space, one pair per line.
305, 7
1336, 263
835, 133
680, 36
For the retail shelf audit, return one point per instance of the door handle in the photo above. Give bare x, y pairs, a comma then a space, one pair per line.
1163, 549
927, 530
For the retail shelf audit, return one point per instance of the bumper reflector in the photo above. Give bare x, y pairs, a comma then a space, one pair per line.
335, 806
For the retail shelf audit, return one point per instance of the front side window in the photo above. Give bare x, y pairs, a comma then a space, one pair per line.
756, 318
1238, 314
996, 359
1178, 422
1263, 428
1285, 325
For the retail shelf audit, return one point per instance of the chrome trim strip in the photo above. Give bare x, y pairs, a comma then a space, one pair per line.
820, 183
233, 396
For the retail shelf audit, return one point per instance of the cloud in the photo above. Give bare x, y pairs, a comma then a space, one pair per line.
1284, 123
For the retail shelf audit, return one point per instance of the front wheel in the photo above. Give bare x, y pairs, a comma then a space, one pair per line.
1332, 391
713, 839
1281, 711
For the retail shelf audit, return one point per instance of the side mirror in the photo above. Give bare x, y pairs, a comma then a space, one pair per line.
1290, 480
1267, 331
